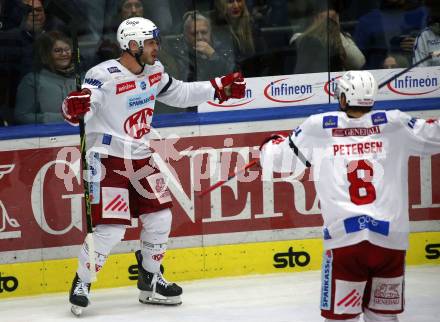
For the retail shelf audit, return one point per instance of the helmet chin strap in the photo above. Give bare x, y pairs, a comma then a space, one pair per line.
137, 56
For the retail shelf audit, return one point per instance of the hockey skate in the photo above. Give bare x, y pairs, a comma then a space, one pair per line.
154, 289
79, 295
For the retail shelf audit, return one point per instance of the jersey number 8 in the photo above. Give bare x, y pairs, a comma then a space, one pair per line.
361, 189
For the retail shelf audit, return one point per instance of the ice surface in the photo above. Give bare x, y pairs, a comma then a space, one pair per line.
291, 297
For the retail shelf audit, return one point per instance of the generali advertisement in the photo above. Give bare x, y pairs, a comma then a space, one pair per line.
42, 205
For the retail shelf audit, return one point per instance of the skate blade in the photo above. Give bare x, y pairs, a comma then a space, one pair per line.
76, 310
146, 297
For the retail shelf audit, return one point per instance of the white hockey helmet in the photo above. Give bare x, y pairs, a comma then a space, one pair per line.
137, 29
359, 88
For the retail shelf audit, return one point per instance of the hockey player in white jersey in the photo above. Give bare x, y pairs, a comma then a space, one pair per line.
359, 160
117, 100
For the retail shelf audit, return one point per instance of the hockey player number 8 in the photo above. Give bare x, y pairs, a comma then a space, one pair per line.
361, 189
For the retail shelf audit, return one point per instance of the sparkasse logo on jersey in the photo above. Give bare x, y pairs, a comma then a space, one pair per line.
125, 87
155, 78
140, 100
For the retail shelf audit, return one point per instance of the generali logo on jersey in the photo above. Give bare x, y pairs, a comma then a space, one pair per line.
125, 87
155, 78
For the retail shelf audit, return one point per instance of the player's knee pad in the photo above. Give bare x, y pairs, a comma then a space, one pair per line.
156, 226
105, 237
154, 238
370, 316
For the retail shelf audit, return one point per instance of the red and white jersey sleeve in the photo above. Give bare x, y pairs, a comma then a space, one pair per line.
184, 94
122, 106
360, 172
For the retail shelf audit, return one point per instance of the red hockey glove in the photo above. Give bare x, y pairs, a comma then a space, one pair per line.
75, 105
229, 86
274, 138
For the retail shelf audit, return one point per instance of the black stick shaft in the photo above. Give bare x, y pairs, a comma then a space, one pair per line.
405, 70
82, 133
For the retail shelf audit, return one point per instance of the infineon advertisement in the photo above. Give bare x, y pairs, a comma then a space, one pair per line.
307, 89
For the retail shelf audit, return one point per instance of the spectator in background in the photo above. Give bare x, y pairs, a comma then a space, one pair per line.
273, 14
395, 60
233, 24
429, 39
325, 37
16, 50
390, 28
34, 23
158, 10
40, 94
11, 13
109, 48
200, 56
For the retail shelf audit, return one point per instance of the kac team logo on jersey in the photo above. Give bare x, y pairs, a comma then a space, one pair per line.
138, 124
125, 87
154, 78
282, 91
414, 85
143, 85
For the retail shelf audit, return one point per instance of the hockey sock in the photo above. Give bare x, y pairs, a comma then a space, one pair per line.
105, 238
154, 238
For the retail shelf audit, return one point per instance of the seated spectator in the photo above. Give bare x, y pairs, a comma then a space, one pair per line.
390, 28
40, 94
16, 49
233, 25
395, 60
325, 37
199, 55
429, 39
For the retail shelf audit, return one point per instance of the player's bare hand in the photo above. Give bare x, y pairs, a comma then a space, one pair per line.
407, 43
204, 48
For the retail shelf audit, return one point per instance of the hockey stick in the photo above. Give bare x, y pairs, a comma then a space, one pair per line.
82, 134
297, 152
428, 57
230, 176
60, 10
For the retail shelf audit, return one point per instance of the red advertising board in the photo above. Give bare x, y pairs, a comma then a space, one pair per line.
38, 209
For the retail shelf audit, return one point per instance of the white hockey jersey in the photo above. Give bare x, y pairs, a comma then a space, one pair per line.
360, 171
122, 106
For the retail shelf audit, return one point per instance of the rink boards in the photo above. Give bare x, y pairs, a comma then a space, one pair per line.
250, 226
195, 263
